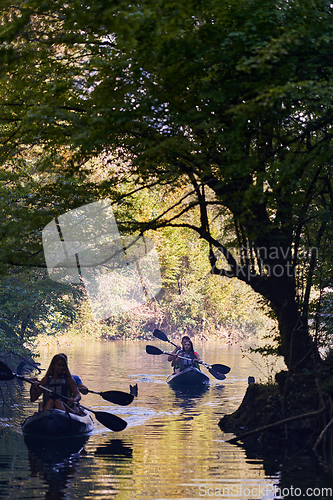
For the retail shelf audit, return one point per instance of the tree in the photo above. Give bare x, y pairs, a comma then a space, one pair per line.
231, 102
43, 307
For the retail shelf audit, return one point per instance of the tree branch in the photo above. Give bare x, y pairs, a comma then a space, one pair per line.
276, 424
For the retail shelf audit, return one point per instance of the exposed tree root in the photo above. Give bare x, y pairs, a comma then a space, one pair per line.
277, 424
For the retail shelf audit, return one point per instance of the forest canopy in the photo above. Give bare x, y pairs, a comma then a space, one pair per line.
227, 105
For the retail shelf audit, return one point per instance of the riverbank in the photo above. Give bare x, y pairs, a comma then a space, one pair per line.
102, 333
296, 411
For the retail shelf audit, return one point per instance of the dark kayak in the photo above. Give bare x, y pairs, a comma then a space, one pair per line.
189, 377
57, 423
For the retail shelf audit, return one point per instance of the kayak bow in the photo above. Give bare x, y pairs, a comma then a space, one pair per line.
189, 377
57, 423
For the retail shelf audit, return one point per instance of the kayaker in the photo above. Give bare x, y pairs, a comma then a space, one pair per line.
59, 379
187, 352
82, 388
178, 348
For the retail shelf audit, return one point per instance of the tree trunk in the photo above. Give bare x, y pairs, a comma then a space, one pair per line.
296, 344
297, 347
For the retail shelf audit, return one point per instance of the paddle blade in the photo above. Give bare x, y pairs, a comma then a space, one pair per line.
160, 335
221, 368
150, 349
216, 374
111, 421
117, 397
5, 372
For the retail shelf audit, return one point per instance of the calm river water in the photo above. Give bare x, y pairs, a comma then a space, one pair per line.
172, 447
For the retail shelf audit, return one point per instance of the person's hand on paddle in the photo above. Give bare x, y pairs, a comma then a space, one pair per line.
197, 357
83, 389
36, 382
172, 356
35, 390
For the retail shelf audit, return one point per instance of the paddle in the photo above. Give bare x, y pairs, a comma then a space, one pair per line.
161, 335
219, 368
109, 420
116, 397
150, 349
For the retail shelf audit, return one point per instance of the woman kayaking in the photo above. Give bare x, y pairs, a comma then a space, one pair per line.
59, 380
82, 388
177, 349
186, 352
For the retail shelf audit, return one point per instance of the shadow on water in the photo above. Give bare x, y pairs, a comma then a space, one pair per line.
217, 390
59, 465
55, 462
115, 448
190, 392
189, 396
189, 401
192, 396
172, 447
5, 466
300, 472
51, 451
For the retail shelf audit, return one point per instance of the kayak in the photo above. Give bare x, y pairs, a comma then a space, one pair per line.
189, 377
57, 423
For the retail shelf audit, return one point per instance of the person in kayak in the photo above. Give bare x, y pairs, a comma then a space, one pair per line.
192, 358
59, 379
176, 351
178, 348
82, 388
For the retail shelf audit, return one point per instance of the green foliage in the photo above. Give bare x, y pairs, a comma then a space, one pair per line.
227, 105
191, 301
11, 345
321, 314
30, 303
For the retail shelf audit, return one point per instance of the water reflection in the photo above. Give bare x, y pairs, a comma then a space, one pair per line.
55, 462
287, 462
171, 447
114, 448
190, 392
108, 470
189, 403
4, 469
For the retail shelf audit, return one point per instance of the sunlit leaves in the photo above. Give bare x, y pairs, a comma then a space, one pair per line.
231, 102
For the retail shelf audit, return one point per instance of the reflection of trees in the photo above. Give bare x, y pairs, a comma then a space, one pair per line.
116, 457
115, 448
295, 466
56, 462
107, 474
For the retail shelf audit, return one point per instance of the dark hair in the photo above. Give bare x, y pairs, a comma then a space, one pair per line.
56, 358
188, 340
185, 338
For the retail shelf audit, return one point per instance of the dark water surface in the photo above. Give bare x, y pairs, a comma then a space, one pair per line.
172, 447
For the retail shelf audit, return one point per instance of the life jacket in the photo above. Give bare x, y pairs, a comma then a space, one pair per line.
186, 363
58, 386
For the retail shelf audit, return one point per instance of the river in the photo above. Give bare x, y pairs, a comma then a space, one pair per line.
172, 447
